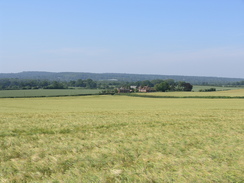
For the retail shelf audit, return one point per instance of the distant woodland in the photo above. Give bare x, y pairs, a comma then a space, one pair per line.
159, 85
46, 80
69, 76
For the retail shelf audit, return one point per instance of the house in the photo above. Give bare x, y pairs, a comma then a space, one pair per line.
133, 87
145, 89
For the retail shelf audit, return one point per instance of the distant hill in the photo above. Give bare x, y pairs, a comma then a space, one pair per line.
68, 76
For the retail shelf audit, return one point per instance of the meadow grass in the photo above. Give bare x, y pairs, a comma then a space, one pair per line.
46, 92
121, 139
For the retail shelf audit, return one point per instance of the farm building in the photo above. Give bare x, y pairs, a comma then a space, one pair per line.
133, 87
145, 89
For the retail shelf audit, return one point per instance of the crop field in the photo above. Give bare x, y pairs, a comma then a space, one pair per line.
196, 88
46, 92
229, 93
121, 139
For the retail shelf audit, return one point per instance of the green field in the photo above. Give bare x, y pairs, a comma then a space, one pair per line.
228, 93
82, 91
121, 139
46, 92
196, 88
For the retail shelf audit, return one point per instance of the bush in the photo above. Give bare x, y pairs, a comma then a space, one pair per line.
207, 90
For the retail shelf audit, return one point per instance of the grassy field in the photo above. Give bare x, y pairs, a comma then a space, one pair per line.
78, 91
46, 92
121, 139
196, 88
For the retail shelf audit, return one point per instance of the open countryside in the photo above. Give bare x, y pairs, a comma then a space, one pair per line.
121, 91
116, 138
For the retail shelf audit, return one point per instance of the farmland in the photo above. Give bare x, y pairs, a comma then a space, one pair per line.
46, 92
221, 91
196, 88
229, 93
122, 139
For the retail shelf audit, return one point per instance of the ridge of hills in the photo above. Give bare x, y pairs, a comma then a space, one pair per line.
68, 76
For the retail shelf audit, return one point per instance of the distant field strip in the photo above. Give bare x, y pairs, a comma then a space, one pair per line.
196, 88
218, 94
237, 93
46, 92
121, 139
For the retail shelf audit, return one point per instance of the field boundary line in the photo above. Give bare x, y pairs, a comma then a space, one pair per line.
205, 97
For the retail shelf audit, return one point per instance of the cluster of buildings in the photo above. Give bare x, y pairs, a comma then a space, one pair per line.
135, 88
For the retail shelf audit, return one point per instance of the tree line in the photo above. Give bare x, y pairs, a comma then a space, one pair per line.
240, 83
158, 84
161, 85
21, 84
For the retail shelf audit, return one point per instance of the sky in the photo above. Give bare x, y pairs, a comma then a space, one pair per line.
180, 37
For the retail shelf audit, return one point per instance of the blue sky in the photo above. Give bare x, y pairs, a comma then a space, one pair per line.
180, 37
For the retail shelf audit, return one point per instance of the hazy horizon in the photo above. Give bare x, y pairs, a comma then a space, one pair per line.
120, 73
187, 38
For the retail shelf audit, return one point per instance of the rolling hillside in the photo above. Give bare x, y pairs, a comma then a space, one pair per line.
67, 76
